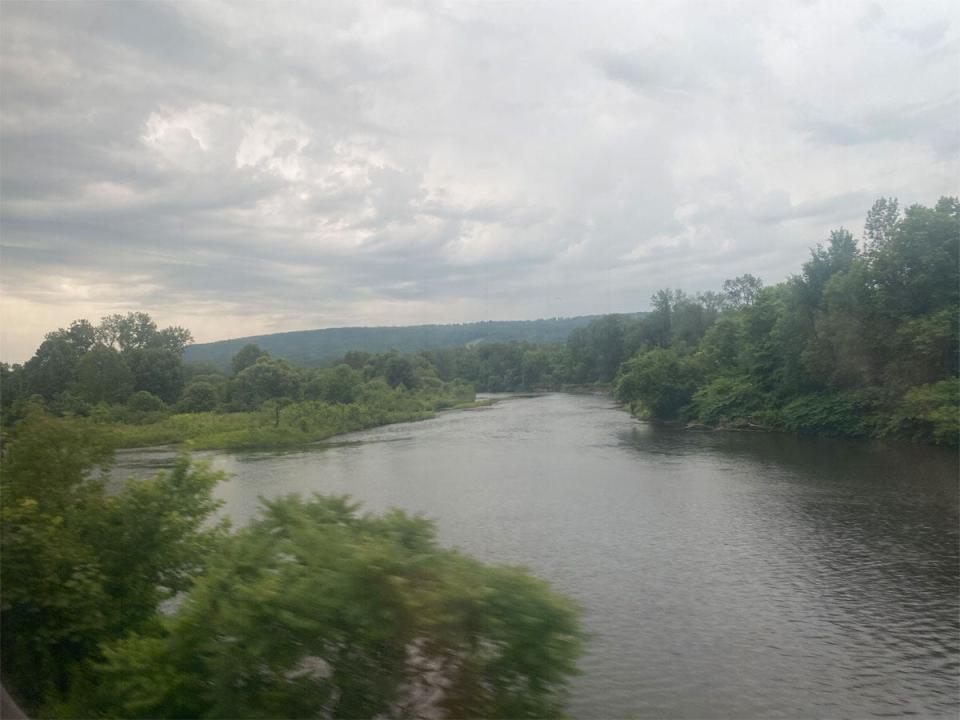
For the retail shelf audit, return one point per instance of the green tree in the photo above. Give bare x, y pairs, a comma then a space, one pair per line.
246, 356
741, 291
337, 385
314, 610
138, 331
82, 566
158, 371
53, 368
199, 396
916, 270
881, 223
143, 401
661, 382
103, 376
268, 378
400, 371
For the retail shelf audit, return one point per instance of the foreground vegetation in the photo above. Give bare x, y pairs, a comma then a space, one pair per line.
312, 610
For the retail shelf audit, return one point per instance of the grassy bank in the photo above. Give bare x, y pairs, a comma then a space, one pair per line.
293, 425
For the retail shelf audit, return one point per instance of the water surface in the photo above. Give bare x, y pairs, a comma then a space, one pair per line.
722, 574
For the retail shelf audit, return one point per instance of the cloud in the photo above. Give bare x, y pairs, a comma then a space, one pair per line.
241, 168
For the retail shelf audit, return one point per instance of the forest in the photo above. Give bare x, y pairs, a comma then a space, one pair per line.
861, 342
316, 348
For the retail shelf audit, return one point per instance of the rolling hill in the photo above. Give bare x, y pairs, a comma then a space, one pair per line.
314, 348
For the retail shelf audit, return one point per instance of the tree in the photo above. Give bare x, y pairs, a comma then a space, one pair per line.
400, 371
158, 371
103, 376
881, 223
337, 385
246, 357
143, 401
138, 331
657, 324
742, 290
597, 349
316, 611
132, 331
82, 566
825, 262
268, 378
200, 396
53, 368
916, 270
661, 382
173, 338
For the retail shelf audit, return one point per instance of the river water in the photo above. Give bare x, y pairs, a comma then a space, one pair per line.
723, 575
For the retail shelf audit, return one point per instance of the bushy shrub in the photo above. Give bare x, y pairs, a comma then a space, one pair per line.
200, 396
316, 611
832, 415
661, 381
143, 401
930, 413
727, 399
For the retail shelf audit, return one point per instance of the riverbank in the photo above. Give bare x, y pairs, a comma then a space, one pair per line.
294, 425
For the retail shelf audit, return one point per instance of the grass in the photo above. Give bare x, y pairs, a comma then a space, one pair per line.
297, 424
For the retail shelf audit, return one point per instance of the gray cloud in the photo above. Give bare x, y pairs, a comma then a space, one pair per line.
243, 168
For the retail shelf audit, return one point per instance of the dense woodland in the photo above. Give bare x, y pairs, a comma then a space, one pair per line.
862, 342
317, 348
127, 377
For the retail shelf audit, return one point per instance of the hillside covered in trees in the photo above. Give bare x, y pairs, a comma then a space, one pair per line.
314, 348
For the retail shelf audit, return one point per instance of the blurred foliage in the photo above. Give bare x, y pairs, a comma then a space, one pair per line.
316, 611
312, 610
82, 565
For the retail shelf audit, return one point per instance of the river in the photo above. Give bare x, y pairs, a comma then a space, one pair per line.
722, 574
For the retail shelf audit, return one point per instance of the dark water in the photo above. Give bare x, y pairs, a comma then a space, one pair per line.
722, 575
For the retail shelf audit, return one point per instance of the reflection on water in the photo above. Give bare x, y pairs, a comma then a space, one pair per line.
722, 574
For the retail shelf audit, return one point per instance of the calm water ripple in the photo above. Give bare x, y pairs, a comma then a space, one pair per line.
722, 575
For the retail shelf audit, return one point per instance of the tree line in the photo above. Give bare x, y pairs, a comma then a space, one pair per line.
862, 342
319, 348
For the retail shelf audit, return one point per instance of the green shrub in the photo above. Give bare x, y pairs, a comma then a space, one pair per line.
729, 399
316, 611
930, 413
143, 401
200, 396
832, 415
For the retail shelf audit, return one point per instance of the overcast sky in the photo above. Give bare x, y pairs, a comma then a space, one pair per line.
250, 168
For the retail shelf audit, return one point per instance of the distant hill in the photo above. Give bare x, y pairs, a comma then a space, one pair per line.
314, 348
